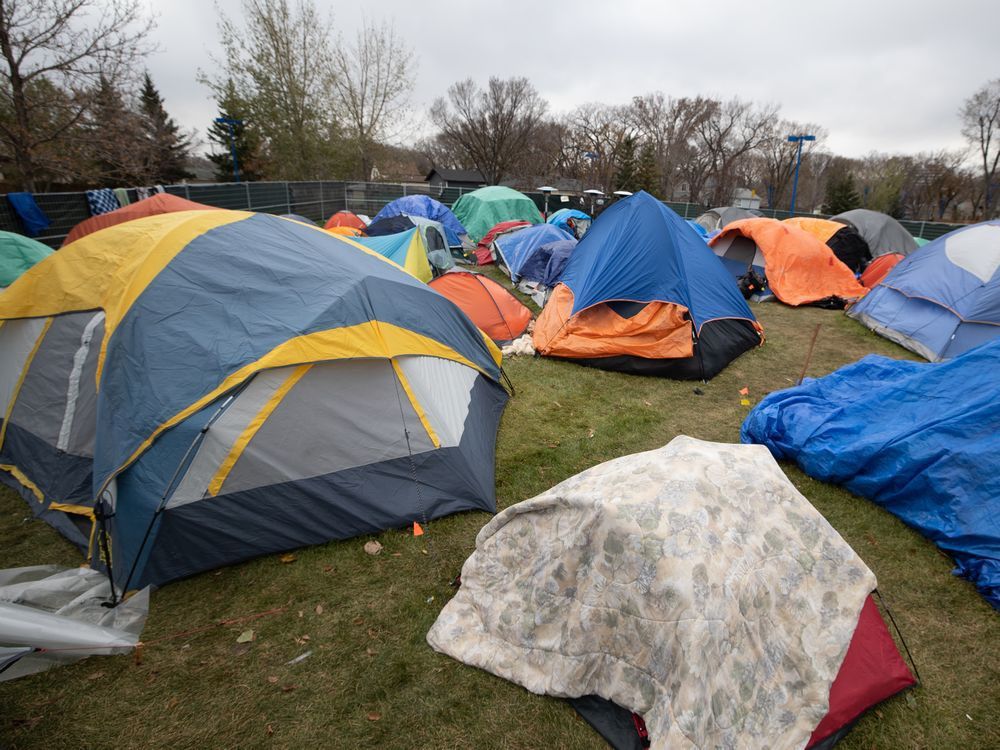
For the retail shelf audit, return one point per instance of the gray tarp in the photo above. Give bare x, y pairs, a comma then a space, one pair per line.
882, 232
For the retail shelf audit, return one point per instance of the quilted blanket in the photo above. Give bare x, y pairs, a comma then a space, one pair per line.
692, 584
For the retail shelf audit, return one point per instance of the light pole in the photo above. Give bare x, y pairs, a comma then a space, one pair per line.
594, 194
798, 160
547, 191
229, 122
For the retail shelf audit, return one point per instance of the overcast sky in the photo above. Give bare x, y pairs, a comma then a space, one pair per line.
882, 75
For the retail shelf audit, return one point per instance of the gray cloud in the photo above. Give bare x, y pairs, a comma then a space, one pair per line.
877, 74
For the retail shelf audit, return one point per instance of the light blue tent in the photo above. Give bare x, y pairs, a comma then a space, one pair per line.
571, 220
921, 440
516, 248
944, 298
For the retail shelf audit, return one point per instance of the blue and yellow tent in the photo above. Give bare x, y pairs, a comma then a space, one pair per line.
193, 389
405, 249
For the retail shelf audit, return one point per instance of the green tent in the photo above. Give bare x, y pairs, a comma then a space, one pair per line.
481, 209
17, 254
920, 241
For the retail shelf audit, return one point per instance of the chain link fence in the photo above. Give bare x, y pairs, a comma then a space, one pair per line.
318, 200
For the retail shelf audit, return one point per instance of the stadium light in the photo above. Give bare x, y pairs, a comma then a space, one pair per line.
798, 160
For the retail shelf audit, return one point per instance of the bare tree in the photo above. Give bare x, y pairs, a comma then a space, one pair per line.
667, 125
733, 130
981, 127
596, 134
373, 77
279, 58
55, 52
492, 125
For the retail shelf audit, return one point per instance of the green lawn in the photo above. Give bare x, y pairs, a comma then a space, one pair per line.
372, 681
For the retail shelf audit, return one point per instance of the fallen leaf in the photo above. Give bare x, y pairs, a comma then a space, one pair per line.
358, 621
172, 703
269, 730
397, 554
319, 609
870, 538
95, 676
374, 716
288, 558
288, 688
590, 432
246, 636
327, 568
373, 547
647, 403
272, 679
370, 651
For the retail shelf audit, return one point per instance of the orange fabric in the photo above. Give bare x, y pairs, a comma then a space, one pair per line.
346, 231
800, 269
879, 268
492, 308
161, 203
345, 219
821, 229
658, 331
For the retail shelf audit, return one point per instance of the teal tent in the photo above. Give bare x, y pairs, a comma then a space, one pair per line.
17, 254
481, 209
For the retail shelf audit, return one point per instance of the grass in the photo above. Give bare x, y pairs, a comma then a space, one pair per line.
371, 680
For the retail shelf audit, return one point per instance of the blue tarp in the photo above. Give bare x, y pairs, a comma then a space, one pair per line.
942, 299
702, 232
517, 247
427, 207
921, 440
547, 263
639, 250
34, 219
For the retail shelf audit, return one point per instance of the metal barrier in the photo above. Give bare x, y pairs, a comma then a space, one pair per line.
319, 199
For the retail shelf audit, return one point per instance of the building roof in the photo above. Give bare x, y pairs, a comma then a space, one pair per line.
457, 175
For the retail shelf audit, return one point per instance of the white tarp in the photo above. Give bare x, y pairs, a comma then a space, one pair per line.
691, 584
59, 615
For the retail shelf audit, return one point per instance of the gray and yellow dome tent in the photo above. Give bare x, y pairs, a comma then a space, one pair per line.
189, 390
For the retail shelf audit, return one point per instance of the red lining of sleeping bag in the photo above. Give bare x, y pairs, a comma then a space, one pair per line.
872, 671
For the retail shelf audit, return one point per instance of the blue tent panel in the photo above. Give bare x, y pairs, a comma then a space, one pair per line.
546, 264
921, 440
517, 247
641, 251
561, 217
428, 208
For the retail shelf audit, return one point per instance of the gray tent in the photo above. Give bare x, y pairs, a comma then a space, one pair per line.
717, 218
882, 232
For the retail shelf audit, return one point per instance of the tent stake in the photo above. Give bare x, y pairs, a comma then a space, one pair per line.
805, 365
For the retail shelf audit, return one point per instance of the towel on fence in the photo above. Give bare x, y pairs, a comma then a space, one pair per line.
32, 217
122, 195
102, 201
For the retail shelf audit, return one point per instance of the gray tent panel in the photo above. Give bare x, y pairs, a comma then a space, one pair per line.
17, 340
360, 402
882, 232
79, 423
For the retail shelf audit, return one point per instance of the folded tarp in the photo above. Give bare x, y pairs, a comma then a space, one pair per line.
921, 440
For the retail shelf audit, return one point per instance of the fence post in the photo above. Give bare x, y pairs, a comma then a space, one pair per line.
922, 228
187, 191
322, 200
404, 189
246, 186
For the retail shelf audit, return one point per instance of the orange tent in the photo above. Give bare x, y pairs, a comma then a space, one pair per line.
345, 219
879, 268
161, 203
346, 231
821, 229
849, 246
800, 269
491, 307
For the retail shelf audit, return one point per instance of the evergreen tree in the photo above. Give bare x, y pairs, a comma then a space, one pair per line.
625, 165
113, 138
246, 138
647, 177
166, 146
841, 195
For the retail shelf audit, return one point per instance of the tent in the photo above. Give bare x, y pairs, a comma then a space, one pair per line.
161, 203
692, 585
719, 218
432, 232
849, 246
882, 232
797, 268
299, 217
488, 206
516, 248
921, 440
492, 308
426, 207
702, 232
17, 254
484, 250
346, 231
879, 268
345, 219
641, 293
943, 299
920, 241
406, 249
157, 411
571, 220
